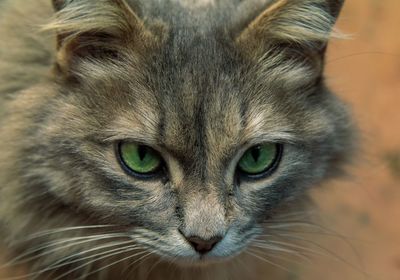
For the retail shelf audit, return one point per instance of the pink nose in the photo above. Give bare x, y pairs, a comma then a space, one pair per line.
203, 246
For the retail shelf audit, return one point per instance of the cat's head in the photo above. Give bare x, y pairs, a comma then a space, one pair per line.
189, 137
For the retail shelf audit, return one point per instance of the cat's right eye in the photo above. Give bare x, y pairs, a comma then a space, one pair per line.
139, 160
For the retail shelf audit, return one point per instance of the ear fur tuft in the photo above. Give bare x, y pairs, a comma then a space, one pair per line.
307, 23
93, 28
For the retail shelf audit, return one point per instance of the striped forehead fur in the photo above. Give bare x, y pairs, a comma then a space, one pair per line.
300, 21
304, 22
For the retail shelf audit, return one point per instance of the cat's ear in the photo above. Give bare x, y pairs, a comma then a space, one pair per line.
98, 29
303, 26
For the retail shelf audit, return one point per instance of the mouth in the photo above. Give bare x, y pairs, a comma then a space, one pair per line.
194, 251
192, 258
201, 260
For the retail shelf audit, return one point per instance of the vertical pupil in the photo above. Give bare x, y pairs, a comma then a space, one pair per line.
255, 153
142, 151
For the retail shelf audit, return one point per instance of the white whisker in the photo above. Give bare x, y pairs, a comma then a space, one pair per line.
283, 250
282, 257
324, 253
116, 262
123, 250
59, 230
60, 263
48, 269
80, 240
252, 253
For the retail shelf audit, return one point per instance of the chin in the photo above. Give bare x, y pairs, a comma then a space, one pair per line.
202, 260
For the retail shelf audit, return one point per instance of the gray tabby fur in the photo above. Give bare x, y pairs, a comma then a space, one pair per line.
201, 82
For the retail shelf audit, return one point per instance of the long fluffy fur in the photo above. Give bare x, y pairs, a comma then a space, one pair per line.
199, 84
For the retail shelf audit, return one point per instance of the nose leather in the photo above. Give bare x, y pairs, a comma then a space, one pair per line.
201, 245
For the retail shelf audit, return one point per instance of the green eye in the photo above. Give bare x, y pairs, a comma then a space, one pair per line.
140, 159
259, 159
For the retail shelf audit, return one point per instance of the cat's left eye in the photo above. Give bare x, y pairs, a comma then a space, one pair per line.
260, 160
139, 160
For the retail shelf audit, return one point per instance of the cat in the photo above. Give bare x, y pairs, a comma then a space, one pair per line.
153, 139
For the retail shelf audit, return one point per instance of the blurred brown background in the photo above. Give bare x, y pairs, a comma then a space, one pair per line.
364, 211
365, 71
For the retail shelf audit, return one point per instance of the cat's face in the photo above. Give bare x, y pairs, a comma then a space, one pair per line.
191, 142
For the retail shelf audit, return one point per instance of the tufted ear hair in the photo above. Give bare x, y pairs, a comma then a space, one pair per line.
306, 24
95, 29
289, 39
